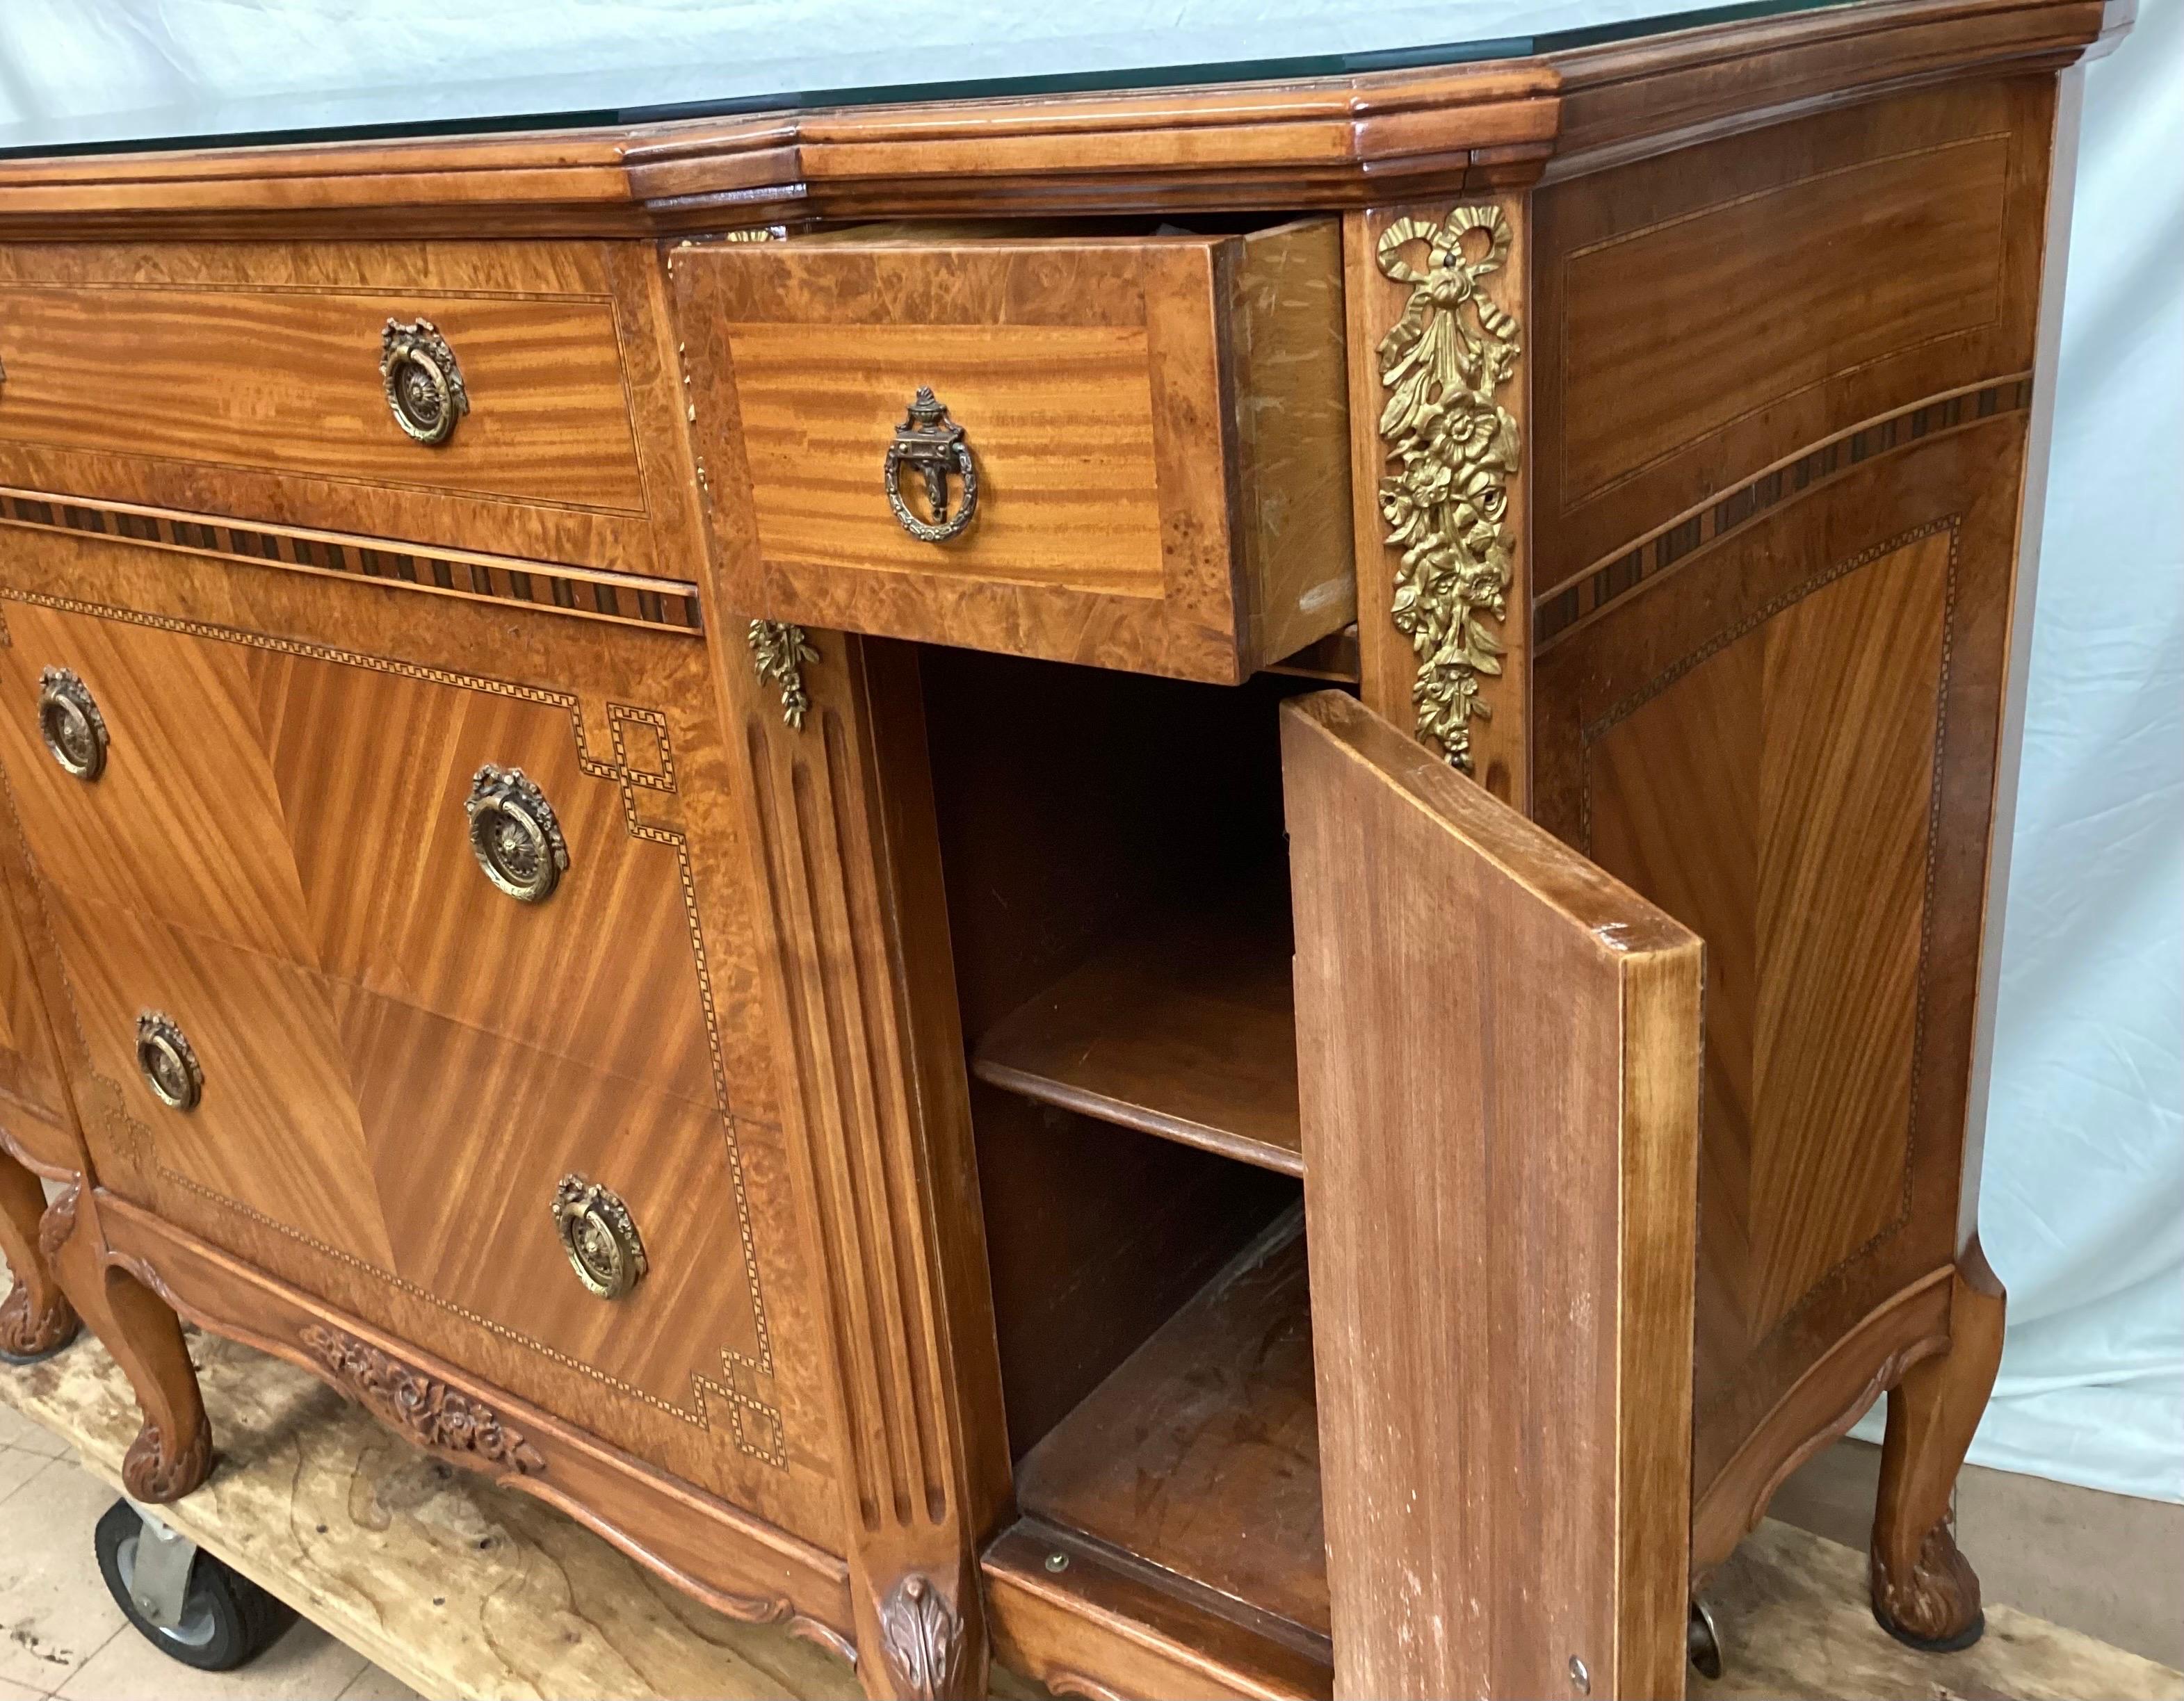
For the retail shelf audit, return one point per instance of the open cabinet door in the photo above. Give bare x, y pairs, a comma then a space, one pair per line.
1498, 1052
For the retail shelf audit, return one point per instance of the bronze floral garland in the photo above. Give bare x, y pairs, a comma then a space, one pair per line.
1452, 449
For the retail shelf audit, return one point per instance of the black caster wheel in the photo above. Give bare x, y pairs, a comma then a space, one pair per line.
224, 1619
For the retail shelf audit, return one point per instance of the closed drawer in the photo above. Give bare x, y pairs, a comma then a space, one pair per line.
246, 380
313, 808
1155, 428
399, 1061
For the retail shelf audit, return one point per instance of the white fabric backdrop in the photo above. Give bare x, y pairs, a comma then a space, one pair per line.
2083, 1209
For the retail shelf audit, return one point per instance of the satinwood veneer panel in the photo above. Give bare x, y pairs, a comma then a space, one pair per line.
243, 380
1157, 423
734, 1562
1788, 742
35, 1111
1711, 314
400, 1061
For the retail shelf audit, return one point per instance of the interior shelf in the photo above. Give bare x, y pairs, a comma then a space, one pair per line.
1185, 1029
1199, 1454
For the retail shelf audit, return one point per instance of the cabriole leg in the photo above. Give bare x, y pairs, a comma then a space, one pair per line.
172, 1454
35, 1319
1924, 1591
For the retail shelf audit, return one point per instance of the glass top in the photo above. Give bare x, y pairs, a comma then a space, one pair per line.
112, 75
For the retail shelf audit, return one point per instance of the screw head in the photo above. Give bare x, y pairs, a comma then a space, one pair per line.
1057, 1562
1580, 1679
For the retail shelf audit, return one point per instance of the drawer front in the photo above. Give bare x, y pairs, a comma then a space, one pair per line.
1132, 501
399, 1061
34, 1103
249, 381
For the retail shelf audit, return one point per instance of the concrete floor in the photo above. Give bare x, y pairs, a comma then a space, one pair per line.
2108, 1565
61, 1634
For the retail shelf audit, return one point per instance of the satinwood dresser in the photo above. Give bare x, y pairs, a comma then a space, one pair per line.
1184, 883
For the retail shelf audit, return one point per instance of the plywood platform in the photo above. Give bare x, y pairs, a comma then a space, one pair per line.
459, 1589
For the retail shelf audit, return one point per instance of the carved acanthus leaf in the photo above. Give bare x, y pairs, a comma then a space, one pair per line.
922, 1638
35, 1319
1451, 449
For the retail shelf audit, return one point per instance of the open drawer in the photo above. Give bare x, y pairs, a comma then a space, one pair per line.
1292, 1264
1126, 451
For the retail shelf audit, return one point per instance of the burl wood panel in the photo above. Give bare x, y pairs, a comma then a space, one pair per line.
400, 1061
1788, 743
1711, 314
244, 380
1157, 425
1501, 1217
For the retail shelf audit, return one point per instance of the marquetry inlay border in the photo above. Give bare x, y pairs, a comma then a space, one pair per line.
658, 603
1570, 605
756, 1425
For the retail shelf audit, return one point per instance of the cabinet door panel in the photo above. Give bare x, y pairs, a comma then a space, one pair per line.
1498, 1051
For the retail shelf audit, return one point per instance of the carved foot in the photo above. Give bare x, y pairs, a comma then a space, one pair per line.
35, 1319
1924, 1592
155, 1474
1935, 1606
172, 1454
35, 1323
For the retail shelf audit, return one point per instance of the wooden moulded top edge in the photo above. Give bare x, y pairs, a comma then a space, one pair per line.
1328, 142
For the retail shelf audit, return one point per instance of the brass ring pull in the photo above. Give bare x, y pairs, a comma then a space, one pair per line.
424, 384
168, 1063
599, 1237
513, 835
70, 722
934, 444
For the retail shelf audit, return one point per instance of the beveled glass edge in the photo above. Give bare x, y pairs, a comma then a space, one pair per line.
1122, 80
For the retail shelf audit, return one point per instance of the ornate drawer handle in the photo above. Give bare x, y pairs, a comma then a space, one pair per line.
930, 442
599, 1237
513, 835
424, 384
170, 1065
70, 722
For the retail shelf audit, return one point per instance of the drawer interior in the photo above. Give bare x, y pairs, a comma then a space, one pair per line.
1118, 882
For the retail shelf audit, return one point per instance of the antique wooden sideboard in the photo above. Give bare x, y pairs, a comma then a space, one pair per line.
1181, 884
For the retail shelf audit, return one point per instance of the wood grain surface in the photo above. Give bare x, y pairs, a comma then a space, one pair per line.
1500, 1221
401, 1062
1200, 1455
861, 992
1344, 140
1157, 426
1708, 316
1788, 742
1185, 1029
251, 377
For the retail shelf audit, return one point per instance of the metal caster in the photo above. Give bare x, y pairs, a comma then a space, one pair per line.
1701, 1644
183, 1601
